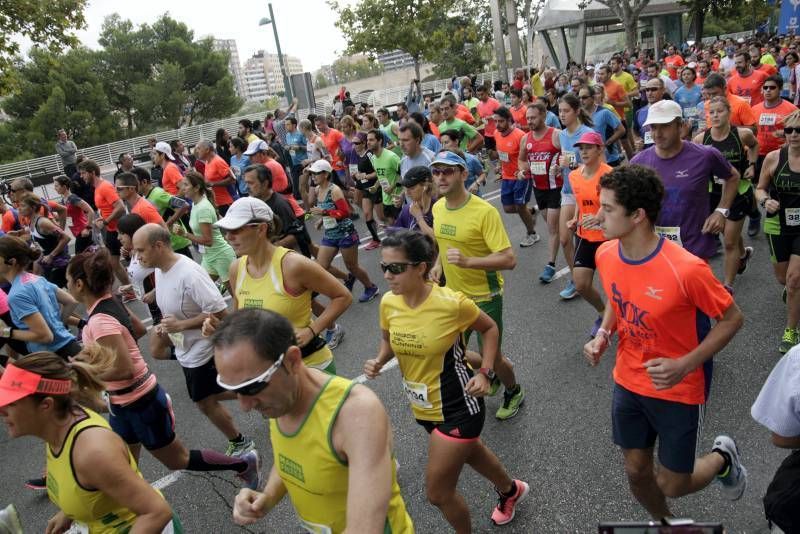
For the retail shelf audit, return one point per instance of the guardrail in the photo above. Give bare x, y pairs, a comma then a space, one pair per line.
109, 153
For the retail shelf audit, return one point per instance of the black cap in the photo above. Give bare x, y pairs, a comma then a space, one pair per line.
416, 175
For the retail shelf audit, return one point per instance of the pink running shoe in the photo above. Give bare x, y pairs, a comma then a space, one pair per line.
372, 245
507, 506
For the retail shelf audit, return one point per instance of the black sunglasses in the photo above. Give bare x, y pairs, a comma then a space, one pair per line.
397, 267
787, 130
770, 87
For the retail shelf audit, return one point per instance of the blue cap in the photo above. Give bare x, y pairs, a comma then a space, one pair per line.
446, 157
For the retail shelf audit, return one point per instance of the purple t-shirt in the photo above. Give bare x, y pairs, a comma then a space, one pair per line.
685, 206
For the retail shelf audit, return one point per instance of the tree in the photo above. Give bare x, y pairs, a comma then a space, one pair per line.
48, 24
460, 49
320, 81
349, 69
628, 12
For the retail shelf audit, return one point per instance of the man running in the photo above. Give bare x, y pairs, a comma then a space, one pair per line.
661, 302
746, 82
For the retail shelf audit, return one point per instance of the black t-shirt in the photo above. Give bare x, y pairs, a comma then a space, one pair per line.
365, 166
290, 224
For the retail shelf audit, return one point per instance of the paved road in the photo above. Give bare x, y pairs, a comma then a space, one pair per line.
560, 442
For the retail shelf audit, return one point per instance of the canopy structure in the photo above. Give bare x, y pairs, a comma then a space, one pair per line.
594, 33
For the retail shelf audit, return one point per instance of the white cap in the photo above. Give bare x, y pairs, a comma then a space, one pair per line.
256, 146
165, 149
321, 165
663, 112
243, 211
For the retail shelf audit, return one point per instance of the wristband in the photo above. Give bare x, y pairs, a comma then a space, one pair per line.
7, 332
312, 330
763, 202
603, 332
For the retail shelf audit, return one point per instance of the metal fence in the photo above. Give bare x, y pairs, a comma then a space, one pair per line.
108, 154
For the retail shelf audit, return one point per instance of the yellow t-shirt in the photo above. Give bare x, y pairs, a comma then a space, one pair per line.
315, 477
477, 230
429, 347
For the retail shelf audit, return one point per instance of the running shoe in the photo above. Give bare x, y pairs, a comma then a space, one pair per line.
547, 274
368, 294
9, 520
744, 260
790, 338
333, 336
372, 245
511, 403
754, 226
494, 387
734, 480
569, 292
37, 484
252, 475
507, 506
240, 448
350, 282
595, 327
530, 240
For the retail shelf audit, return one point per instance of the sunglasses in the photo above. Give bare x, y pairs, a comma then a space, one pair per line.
236, 231
357, 143
770, 87
256, 385
788, 130
446, 171
121, 188
317, 173
397, 267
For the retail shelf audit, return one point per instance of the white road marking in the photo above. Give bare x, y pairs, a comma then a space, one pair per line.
561, 273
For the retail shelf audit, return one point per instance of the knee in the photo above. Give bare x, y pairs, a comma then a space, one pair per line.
439, 496
582, 284
793, 281
639, 473
510, 209
206, 405
731, 243
673, 486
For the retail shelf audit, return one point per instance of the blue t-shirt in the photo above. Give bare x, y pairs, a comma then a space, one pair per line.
475, 169
30, 294
688, 98
552, 121
430, 142
605, 122
643, 131
567, 142
238, 165
298, 154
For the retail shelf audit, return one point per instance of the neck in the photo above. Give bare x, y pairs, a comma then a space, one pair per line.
146, 188
640, 243
260, 256
169, 259
416, 296
670, 151
55, 432
772, 103
541, 130
196, 197
722, 129
574, 126
90, 300
456, 198
589, 168
309, 384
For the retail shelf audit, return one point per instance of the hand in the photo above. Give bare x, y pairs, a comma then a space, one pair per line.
249, 507
46, 260
638, 145
415, 210
178, 229
125, 253
572, 224
772, 206
149, 297
86, 232
99, 223
665, 372
590, 222
748, 174
478, 385
316, 210
372, 368
387, 189
58, 524
170, 324
209, 325
594, 349
715, 223
303, 336
435, 274
454, 257
474, 187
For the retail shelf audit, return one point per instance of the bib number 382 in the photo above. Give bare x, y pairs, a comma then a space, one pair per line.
792, 216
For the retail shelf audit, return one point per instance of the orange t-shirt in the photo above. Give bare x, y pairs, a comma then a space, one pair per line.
663, 305
741, 112
331, 139
147, 211
767, 69
748, 87
616, 93
170, 178
463, 113
770, 121
519, 116
434, 128
508, 151
217, 170
9, 221
587, 198
672, 63
105, 196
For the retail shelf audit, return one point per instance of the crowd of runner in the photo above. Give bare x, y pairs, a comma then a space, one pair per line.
642, 169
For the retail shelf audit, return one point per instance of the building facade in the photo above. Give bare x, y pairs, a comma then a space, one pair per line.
234, 65
395, 60
262, 74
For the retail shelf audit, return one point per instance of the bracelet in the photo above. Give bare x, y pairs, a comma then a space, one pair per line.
312, 330
603, 332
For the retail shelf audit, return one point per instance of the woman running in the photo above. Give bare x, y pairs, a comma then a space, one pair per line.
78, 210
95, 481
417, 214
368, 188
274, 278
315, 150
740, 148
422, 325
49, 237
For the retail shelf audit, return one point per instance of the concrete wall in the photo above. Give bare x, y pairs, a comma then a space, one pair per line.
387, 80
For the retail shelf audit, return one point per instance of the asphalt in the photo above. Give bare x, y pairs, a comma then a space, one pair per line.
560, 442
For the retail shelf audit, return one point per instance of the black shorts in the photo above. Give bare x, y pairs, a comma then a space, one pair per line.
781, 247
743, 205
488, 143
148, 420
201, 382
468, 429
625, 135
111, 239
390, 211
585, 251
548, 199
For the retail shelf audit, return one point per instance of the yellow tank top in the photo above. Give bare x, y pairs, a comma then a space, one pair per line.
99, 513
269, 293
314, 475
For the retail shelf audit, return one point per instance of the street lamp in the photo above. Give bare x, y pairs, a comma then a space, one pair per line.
287, 89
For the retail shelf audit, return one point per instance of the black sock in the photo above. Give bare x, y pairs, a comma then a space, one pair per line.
726, 457
373, 231
513, 391
208, 460
551, 263
511, 492
237, 439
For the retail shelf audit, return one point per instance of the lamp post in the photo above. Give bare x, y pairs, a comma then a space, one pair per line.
287, 89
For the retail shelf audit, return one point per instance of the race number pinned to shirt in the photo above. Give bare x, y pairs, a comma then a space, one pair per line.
503, 156
353, 168
569, 157
673, 233
768, 119
329, 223
746, 99
648, 137
538, 167
792, 216
177, 340
417, 394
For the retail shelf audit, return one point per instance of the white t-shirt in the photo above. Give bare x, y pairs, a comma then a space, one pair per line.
186, 291
137, 273
778, 404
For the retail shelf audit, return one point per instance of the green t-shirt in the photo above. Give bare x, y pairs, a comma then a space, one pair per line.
204, 212
467, 131
387, 169
163, 203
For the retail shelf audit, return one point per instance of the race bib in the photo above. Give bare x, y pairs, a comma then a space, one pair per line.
538, 167
417, 394
718, 180
384, 182
569, 157
690, 113
78, 528
329, 223
503, 156
315, 528
353, 169
177, 340
201, 249
673, 233
648, 137
768, 119
792, 216
292, 152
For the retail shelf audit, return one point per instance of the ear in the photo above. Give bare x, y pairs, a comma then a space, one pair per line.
292, 359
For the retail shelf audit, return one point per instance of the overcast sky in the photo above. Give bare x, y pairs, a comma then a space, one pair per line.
305, 27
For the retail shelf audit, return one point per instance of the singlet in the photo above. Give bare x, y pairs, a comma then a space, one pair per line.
430, 349
94, 509
48, 243
332, 228
387, 130
269, 293
542, 153
735, 152
313, 150
785, 188
587, 199
315, 477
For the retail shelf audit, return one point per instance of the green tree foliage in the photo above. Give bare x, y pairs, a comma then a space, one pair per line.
349, 69
48, 24
320, 81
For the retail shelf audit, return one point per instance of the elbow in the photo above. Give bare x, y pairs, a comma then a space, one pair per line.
162, 516
45, 338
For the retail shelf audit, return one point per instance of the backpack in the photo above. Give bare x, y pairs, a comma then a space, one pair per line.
782, 500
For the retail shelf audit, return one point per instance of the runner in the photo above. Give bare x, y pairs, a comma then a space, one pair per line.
47, 236
172, 209
746, 82
387, 170
740, 148
416, 214
741, 112
471, 140
36, 399
171, 173
476, 177
661, 302
79, 212
331, 438
422, 325
654, 91
474, 248
776, 193
366, 180
140, 411
538, 158
605, 122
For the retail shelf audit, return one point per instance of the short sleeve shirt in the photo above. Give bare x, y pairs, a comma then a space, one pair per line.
105, 196
778, 404
170, 178
147, 211
31, 294
486, 111
217, 170
332, 139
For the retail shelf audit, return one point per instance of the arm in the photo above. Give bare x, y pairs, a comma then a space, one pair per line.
172, 325
475, 143
749, 140
60, 213
250, 506
619, 131
63, 239
479, 384
785, 442
372, 368
37, 331
522, 160
123, 365
764, 181
595, 348
497, 261
90, 215
205, 238
67, 303
116, 213
311, 276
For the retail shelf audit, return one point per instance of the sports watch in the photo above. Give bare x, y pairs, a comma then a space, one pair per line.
487, 372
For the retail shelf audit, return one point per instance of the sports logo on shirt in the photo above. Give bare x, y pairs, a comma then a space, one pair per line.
629, 311
653, 292
290, 467
447, 229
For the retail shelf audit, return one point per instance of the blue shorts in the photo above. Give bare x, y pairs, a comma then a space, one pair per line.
515, 192
636, 420
351, 240
148, 420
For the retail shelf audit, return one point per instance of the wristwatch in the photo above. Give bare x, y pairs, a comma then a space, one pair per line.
487, 372
724, 211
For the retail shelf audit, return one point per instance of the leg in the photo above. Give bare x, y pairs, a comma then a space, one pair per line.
640, 471
120, 271
446, 458
350, 257
325, 255
734, 248
674, 484
566, 213
583, 278
552, 216
176, 456
219, 415
527, 218
484, 461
